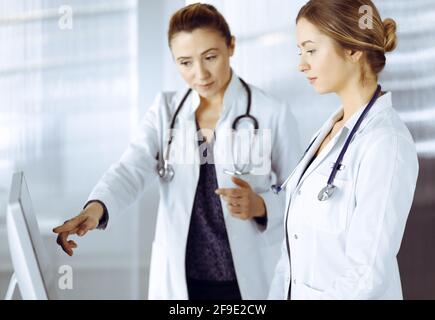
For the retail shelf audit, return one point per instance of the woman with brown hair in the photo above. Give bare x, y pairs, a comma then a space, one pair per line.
218, 231
350, 196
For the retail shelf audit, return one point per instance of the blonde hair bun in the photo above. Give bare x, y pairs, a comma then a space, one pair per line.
390, 42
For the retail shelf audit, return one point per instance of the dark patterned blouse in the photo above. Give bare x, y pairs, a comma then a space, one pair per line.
208, 252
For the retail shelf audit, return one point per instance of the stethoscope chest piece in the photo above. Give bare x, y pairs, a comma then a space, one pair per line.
326, 193
166, 172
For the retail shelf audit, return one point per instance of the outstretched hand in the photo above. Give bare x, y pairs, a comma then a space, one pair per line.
87, 220
242, 202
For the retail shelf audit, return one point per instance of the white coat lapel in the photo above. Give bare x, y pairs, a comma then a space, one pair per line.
309, 155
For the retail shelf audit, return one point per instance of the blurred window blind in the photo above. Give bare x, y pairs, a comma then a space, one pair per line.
410, 70
68, 90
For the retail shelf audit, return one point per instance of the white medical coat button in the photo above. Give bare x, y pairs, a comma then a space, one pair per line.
296, 236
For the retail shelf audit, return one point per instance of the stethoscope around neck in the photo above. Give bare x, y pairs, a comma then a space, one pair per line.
328, 191
166, 171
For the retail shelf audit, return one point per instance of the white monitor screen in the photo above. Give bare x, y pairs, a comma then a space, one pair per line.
29, 257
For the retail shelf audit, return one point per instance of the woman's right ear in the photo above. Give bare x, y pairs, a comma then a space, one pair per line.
354, 55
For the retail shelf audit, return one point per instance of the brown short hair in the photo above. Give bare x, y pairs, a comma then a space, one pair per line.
340, 20
199, 15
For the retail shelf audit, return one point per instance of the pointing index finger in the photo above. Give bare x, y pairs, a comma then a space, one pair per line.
68, 225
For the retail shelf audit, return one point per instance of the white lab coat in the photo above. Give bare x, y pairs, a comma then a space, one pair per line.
255, 250
346, 247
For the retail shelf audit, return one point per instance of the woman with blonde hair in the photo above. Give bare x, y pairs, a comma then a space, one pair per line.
350, 196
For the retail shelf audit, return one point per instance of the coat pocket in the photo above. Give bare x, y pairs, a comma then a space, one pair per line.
329, 215
307, 292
